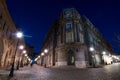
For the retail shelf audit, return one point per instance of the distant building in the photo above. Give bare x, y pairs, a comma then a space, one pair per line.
69, 41
8, 39
28, 56
116, 57
30, 50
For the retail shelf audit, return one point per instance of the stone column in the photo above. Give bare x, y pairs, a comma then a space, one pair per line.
80, 59
61, 61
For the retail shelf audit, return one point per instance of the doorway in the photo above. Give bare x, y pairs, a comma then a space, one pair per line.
70, 58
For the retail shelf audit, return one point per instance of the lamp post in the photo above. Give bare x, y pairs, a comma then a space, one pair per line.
103, 57
21, 47
93, 55
46, 57
18, 35
46, 50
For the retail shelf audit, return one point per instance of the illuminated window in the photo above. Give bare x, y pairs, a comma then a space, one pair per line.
68, 26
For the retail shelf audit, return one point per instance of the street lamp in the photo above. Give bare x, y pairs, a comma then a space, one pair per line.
38, 56
103, 52
45, 57
104, 57
26, 55
93, 55
18, 35
24, 51
46, 50
91, 49
42, 54
21, 47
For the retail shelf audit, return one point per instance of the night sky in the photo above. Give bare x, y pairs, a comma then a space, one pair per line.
36, 16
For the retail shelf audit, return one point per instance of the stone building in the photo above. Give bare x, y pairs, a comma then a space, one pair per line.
93, 38
69, 40
8, 39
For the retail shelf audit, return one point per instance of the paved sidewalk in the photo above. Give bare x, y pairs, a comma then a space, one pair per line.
4, 73
36, 72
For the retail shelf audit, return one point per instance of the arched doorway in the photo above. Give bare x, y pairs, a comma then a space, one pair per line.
70, 58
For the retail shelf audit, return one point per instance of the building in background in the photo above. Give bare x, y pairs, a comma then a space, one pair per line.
69, 41
30, 50
8, 39
116, 57
94, 39
28, 55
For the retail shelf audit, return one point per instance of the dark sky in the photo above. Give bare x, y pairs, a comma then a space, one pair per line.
36, 16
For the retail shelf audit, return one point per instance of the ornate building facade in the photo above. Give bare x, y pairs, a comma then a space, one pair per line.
69, 39
8, 39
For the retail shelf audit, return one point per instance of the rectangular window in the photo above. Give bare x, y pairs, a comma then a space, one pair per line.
81, 38
68, 26
79, 27
90, 37
69, 37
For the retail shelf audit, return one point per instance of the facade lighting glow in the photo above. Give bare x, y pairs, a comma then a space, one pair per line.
24, 51
36, 59
21, 47
117, 58
42, 54
91, 49
109, 54
29, 59
25, 54
103, 52
46, 50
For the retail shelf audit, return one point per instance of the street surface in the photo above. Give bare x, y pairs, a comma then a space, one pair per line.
36, 72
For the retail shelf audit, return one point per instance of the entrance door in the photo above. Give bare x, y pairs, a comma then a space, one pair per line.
70, 58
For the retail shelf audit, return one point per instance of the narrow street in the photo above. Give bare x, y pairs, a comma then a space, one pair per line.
109, 72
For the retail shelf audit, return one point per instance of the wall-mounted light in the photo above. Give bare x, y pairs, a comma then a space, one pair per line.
91, 49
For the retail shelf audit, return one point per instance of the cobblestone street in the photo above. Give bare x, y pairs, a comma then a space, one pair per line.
109, 72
